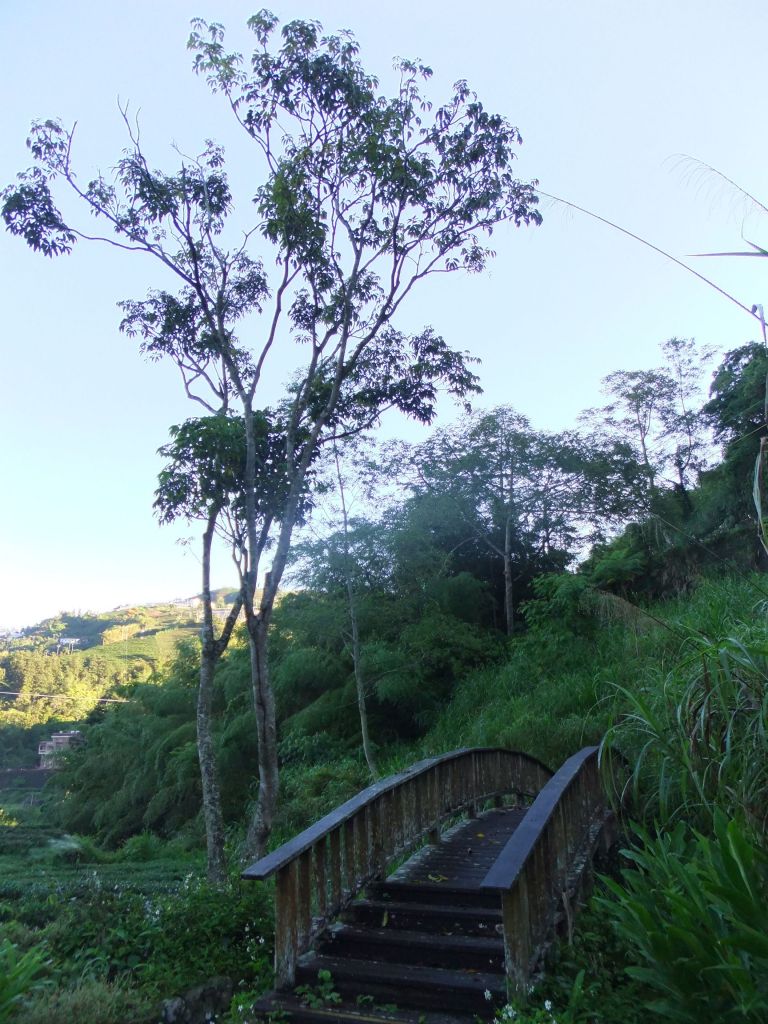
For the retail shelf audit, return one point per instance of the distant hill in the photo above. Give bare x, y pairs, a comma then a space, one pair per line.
147, 631
61, 668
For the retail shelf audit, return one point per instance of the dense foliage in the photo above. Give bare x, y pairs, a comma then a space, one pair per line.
60, 669
656, 640
497, 584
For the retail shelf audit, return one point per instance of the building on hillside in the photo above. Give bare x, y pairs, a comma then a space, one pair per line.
51, 750
67, 643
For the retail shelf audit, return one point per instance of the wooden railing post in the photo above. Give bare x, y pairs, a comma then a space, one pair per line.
285, 925
334, 846
515, 916
320, 852
303, 900
349, 859
362, 846
378, 858
474, 786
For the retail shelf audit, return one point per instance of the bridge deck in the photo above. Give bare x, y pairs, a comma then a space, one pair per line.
465, 853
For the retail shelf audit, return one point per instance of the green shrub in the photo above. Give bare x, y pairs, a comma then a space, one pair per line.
66, 849
144, 847
90, 1001
18, 972
585, 982
693, 909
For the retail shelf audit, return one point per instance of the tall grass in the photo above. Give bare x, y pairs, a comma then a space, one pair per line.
693, 904
554, 692
682, 693
698, 736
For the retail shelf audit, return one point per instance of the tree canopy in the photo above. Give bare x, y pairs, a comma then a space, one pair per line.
359, 197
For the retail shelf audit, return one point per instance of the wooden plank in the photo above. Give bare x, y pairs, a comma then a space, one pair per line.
349, 879
362, 848
464, 856
378, 859
560, 841
517, 946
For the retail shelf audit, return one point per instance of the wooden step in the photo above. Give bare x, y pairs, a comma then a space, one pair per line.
426, 949
424, 917
443, 895
434, 988
290, 1007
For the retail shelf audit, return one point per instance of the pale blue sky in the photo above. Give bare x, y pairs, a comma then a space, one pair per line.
607, 96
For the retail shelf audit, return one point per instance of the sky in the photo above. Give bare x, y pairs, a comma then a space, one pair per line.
621, 104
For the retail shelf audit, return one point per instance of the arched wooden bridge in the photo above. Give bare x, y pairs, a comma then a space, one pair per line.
498, 846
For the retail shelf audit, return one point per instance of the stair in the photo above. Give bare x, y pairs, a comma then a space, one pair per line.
419, 954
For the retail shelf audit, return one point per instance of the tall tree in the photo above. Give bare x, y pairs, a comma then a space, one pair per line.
685, 427
516, 490
202, 480
736, 411
354, 621
361, 198
634, 413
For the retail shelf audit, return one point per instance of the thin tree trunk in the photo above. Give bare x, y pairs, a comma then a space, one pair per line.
257, 620
263, 818
209, 656
212, 813
370, 760
509, 606
357, 663
260, 825
685, 498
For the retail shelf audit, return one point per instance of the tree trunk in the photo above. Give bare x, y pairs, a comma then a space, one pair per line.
262, 820
356, 658
509, 606
360, 683
260, 825
212, 814
209, 656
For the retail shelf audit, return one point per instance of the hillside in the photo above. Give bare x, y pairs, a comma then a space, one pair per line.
519, 591
60, 669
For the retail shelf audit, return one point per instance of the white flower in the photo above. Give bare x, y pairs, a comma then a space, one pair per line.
487, 994
548, 1004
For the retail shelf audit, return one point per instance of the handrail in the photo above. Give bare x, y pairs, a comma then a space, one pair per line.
326, 866
522, 844
544, 860
272, 862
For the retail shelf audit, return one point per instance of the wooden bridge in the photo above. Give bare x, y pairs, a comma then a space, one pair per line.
497, 848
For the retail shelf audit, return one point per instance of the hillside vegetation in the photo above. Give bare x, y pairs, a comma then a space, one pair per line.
58, 669
510, 590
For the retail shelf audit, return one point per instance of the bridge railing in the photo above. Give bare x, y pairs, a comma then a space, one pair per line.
321, 870
540, 868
